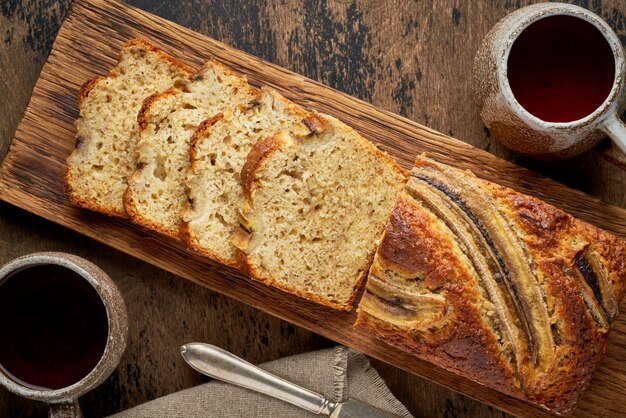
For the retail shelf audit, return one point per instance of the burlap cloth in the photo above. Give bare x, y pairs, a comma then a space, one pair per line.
338, 373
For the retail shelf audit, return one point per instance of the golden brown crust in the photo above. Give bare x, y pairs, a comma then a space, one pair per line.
201, 132
86, 88
191, 244
152, 48
555, 239
550, 232
442, 355
580, 269
138, 218
203, 128
144, 44
256, 157
148, 102
76, 200
241, 241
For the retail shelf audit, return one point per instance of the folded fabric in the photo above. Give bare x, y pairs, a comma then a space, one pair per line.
338, 373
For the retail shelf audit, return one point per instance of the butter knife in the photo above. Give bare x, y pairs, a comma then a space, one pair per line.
222, 365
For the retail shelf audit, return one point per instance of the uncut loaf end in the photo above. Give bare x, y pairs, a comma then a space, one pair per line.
494, 285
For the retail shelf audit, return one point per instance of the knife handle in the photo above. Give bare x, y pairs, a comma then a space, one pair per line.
222, 365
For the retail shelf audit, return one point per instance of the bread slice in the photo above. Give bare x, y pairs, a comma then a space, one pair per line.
167, 121
107, 130
494, 285
316, 204
218, 151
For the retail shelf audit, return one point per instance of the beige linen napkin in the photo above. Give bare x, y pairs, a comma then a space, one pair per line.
338, 373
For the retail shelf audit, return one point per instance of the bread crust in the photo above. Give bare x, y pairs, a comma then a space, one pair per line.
149, 102
411, 246
259, 153
84, 90
153, 48
76, 200
184, 236
415, 242
138, 218
547, 228
202, 131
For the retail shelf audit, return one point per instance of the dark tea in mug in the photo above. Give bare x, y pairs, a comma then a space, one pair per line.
53, 327
561, 68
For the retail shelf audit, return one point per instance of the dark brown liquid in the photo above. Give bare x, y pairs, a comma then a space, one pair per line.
561, 68
53, 327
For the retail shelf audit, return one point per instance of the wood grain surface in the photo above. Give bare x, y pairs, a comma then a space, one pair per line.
336, 44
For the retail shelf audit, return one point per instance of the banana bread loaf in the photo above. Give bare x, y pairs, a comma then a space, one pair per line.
494, 285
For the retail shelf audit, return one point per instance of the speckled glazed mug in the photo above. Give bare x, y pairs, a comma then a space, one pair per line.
519, 129
63, 402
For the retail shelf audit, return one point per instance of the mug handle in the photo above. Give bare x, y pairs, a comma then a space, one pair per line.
616, 130
65, 410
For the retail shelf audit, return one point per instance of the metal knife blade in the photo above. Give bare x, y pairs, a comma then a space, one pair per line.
222, 365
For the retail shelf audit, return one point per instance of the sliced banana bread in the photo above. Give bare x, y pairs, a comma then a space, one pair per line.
218, 151
107, 130
494, 285
167, 121
316, 204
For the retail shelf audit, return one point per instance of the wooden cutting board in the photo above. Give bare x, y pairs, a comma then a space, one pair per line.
87, 45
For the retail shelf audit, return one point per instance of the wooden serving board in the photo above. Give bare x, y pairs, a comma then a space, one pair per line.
88, 44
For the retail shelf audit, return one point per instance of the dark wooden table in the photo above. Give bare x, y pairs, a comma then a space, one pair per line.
412, 58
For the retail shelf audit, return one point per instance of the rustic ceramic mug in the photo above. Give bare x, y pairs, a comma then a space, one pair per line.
525, 132
63, 401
